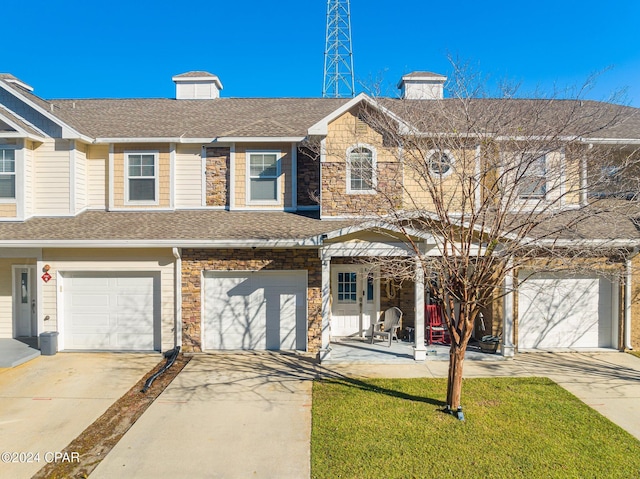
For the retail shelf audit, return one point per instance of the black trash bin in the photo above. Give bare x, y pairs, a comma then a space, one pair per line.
49, 343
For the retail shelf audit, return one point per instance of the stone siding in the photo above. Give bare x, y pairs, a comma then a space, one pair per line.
195, 261
217, 175
337, 202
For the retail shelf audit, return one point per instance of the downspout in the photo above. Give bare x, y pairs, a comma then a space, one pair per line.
177, 300
627, 299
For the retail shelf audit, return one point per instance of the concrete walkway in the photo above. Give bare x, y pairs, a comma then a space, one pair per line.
49, 401
14, 353
248, 414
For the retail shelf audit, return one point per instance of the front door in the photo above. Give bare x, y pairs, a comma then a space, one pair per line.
24, 301
354, 298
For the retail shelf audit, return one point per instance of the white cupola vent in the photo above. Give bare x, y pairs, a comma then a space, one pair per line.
197, 86
422, 86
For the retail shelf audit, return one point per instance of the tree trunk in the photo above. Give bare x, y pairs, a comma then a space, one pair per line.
454, 383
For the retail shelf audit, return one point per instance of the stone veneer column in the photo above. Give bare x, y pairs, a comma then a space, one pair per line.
217, 175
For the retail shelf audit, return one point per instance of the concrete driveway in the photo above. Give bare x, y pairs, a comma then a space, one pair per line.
224, 416
49, 401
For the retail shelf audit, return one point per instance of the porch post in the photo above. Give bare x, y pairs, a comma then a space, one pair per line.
419, 349
325, 348
508, 348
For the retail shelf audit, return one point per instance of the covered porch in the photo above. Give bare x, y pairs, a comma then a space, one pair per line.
355, 294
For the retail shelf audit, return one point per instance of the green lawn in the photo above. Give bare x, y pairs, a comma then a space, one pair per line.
514, 427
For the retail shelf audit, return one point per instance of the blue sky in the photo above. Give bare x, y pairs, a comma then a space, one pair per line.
259, 48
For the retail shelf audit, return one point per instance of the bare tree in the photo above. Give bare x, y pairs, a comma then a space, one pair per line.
504, 185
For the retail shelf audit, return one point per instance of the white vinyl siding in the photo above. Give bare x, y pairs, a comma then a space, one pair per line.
188, 177
97, 183
6, 302
52, 178
28, 179
81, 178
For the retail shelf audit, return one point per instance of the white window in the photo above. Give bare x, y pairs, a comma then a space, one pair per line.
440, 162
141, 181
7, 173
263, 173
532, 178
347, 287
361, 166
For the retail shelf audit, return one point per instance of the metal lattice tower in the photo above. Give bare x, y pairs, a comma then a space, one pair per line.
338, 55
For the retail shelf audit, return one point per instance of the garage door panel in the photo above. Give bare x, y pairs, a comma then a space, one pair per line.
263, 310
136, 340
110, 311
87, 321
563, 311
89, 301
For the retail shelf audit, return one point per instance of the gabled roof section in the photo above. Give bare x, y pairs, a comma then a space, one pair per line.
33, 109
321, 127
12, 125
9, 78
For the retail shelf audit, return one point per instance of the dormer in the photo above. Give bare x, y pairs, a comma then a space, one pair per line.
197, 85
422, 86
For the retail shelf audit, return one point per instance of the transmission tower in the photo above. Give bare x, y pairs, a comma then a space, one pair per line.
338, 55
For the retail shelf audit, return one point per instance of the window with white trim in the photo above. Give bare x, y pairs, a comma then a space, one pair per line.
361, 166
263, 174
142, 177
7, 173
440, 162
532, 178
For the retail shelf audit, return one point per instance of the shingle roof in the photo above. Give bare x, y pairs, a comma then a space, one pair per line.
28, 127
423, 74
167, 118
517, 117
176, 226
195, 74
277, 117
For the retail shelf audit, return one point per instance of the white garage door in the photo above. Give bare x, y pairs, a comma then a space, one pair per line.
563, 311
110, 311
255, 310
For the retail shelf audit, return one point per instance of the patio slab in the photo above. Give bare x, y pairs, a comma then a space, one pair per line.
356, 350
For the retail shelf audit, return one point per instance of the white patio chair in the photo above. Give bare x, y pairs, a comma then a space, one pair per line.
389, 327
